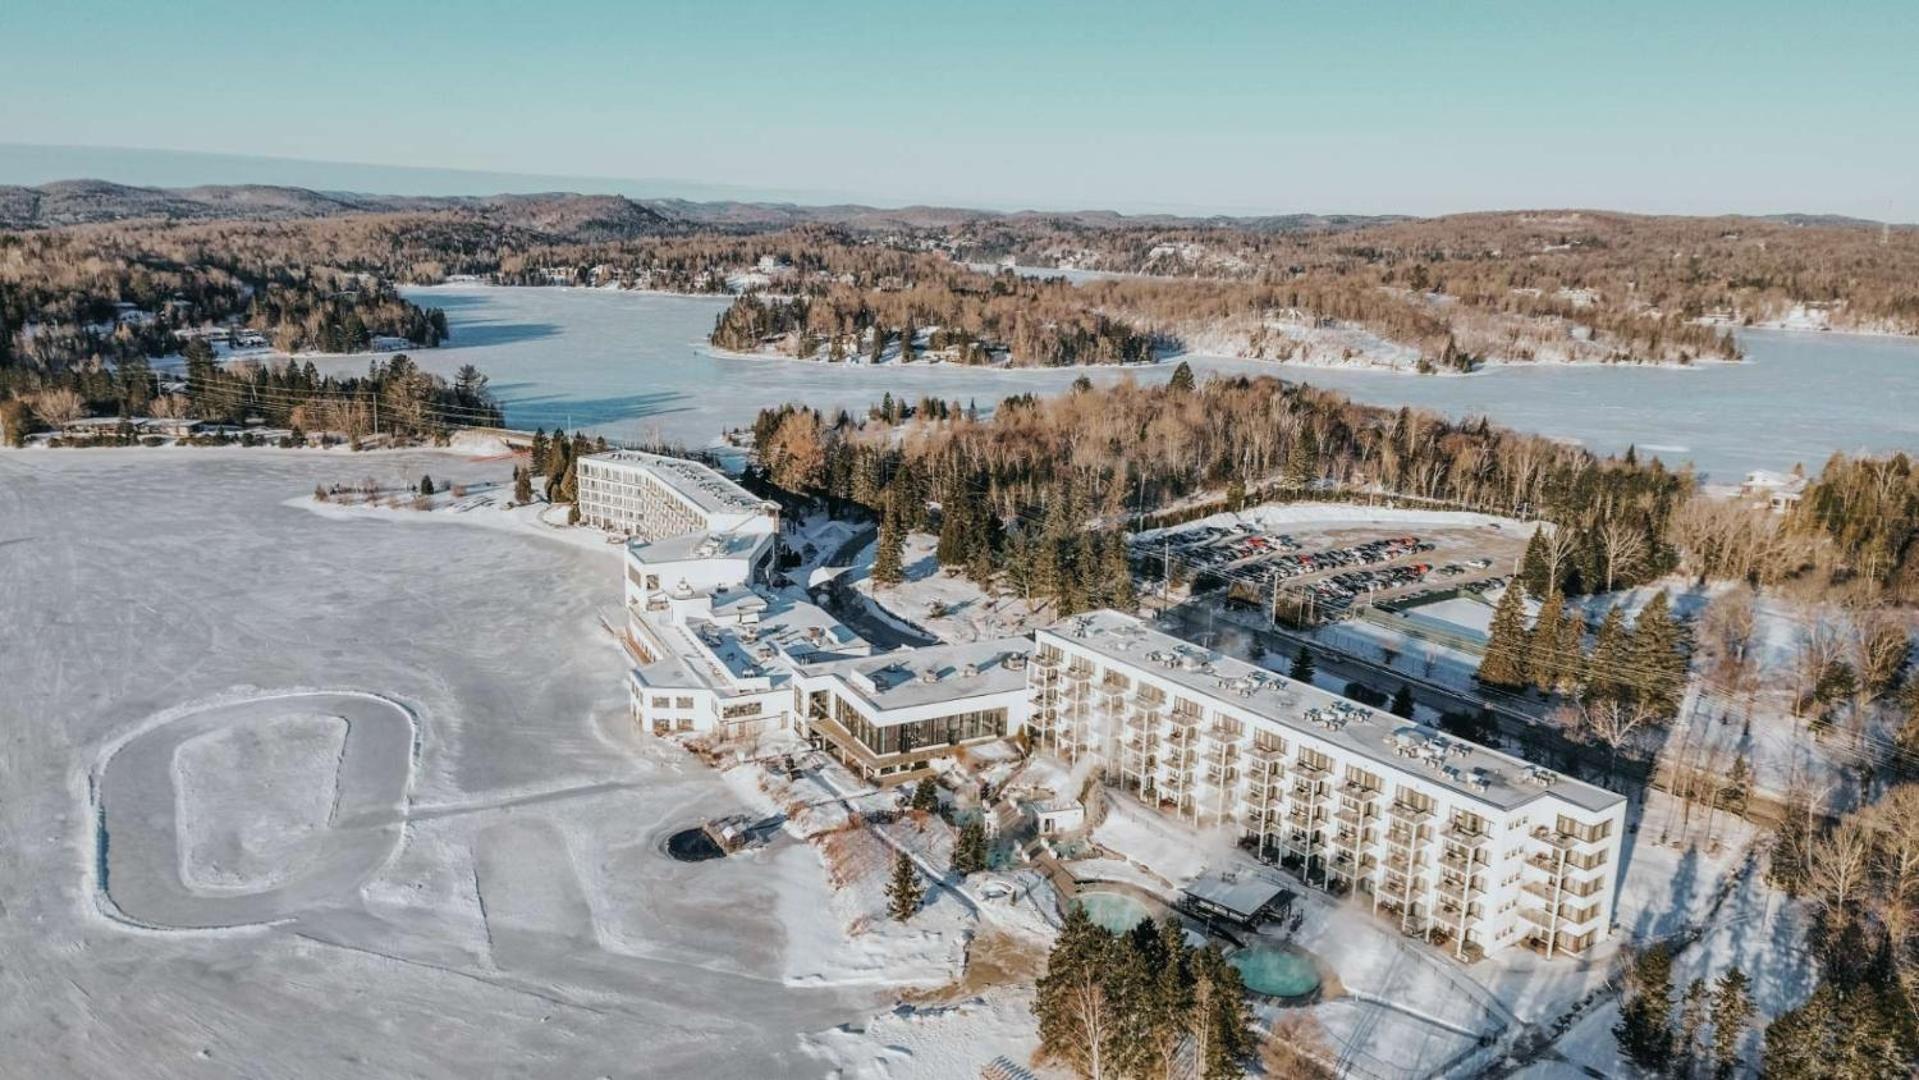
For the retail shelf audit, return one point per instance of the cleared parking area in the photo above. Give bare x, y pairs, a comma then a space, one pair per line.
1324, 567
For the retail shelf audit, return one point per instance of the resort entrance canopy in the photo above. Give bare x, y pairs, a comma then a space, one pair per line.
1240, 896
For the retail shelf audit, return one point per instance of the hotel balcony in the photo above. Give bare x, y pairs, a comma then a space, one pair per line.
1219, 779
1409, 813
1358, 795
1044, 660
1407, 839
1536, 916
1564, 841
1460, 890
1218, 754
1266, 755
1149, 699
1466, 837
1304, 817
1545, 890
1309, 771
1186, 723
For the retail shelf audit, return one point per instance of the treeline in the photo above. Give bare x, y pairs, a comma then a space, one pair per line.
1864, 515
1079, 467
300, 320
1139, 1004
395, 397
968, 318
106, 294
1860, 875
1854, 534
1586, 268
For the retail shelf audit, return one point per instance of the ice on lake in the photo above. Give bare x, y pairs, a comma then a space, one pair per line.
634, 366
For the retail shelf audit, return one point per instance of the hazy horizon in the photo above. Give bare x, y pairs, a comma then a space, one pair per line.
29, 165
1240, 108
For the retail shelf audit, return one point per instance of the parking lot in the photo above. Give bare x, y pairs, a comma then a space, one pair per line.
1330, 567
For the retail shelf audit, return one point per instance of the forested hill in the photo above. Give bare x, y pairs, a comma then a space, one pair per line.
86, 202
569, 216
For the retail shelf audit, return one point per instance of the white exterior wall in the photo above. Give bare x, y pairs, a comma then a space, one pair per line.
624, 494
1390, 830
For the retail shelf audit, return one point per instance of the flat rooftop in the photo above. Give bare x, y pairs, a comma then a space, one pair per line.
1478, 773
703, 486
935, 674
743, 651
741, 543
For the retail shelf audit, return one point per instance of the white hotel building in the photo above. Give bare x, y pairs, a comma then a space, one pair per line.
718, 649
1448, 838
652, 496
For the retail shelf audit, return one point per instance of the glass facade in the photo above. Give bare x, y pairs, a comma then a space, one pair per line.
921, 734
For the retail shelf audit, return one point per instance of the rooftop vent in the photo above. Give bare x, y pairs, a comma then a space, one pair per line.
1016, 661
971, 670
929, 676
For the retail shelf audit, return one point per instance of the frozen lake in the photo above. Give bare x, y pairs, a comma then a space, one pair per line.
633, 366
510, 905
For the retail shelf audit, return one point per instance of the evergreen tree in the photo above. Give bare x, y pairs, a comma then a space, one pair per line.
1116, 573
1645, 1009
1076, 1020
889, 561
1545, 653
904, 891
1182, 380
1731, 1016
1171, 1018
522, 486
1504, 663
426, 485
970, 849
1302, 666
1691, 1048
1658, 662
1534, 567
926, 795
1402, 705
957, 532
1223, 1018
1611, 656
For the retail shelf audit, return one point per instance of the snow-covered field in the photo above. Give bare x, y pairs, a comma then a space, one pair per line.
480, 884
947, 605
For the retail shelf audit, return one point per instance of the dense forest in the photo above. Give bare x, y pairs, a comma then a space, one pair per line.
1040, 489
1564, 264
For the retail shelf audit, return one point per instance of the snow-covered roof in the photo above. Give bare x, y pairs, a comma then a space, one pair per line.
1239, 893
707, 488
743, 543
1470, 770
937, 673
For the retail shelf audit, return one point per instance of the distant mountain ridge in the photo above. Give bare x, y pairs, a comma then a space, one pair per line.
85, 202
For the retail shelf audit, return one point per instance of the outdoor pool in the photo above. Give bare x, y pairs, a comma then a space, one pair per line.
1112, 911
1280, 971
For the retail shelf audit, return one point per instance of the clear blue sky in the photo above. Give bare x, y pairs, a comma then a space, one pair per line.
1276, 106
